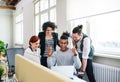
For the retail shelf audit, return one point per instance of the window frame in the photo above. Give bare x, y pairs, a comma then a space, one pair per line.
18, 24
40, 13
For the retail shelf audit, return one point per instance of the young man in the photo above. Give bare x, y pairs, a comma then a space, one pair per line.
85, 50
64, 56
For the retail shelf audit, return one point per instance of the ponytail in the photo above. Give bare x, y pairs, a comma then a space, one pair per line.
78, 29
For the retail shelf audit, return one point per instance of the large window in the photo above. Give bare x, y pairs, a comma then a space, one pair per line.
19, 29
74, 23
104, 30
45, 10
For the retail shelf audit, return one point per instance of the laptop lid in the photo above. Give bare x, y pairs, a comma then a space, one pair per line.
66, 71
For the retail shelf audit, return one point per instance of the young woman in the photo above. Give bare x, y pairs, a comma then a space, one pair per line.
33, 51
49, 39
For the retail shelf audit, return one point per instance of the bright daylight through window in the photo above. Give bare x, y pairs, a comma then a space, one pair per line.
19, 29
45, 10
103, 30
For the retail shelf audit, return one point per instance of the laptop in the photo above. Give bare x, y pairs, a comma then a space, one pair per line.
67, 71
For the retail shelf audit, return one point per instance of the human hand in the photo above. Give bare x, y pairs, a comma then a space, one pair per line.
80, 74
74, 51
49, 51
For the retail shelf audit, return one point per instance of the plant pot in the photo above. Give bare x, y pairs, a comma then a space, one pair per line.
1, 79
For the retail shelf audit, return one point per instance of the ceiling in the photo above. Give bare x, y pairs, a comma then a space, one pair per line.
11, 2
8, 4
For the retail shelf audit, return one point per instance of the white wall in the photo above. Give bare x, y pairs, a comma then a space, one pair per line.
6, 26
27, 7
61, 16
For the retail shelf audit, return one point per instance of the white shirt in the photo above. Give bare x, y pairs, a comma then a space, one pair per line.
86, 47
32, 55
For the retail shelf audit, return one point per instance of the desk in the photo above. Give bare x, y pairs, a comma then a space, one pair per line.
67, 71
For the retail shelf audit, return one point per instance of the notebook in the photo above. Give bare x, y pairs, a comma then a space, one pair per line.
66, 71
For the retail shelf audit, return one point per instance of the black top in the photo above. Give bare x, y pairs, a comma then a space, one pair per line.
41, 35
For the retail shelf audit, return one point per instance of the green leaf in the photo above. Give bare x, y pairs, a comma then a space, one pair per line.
1, 70
2, 47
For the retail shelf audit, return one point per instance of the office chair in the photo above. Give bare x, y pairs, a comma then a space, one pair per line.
11, 52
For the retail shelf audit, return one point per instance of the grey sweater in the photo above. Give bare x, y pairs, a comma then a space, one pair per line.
64, 58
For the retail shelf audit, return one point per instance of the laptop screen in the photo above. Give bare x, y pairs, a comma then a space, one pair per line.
66, 71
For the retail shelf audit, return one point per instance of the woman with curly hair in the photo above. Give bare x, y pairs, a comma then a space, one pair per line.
49, 40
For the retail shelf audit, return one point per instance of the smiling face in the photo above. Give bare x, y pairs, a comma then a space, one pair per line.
49, 31
34, 42
35, 45
63, 44
76, 37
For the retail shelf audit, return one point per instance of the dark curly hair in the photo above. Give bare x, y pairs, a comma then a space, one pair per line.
65, 35
78, 29
49, 24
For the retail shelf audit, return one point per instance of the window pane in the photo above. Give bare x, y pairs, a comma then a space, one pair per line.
46, 9
105, 32
44, 18
77, 22
19, 33
37, 8
43, 5
19, 29
53, 15
19, 18
52, 3
37, 24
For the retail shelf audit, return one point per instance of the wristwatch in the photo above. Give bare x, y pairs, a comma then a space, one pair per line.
82, 71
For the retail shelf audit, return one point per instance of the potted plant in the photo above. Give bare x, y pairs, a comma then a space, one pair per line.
1, 72
2, 49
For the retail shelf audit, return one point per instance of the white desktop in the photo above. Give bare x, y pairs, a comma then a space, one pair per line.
67, 71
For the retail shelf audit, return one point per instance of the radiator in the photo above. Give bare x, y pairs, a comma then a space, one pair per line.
104, 73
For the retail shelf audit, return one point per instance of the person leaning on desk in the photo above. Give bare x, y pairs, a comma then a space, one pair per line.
64, 56
85, 49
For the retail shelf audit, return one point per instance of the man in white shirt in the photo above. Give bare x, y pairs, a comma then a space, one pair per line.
86, 51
